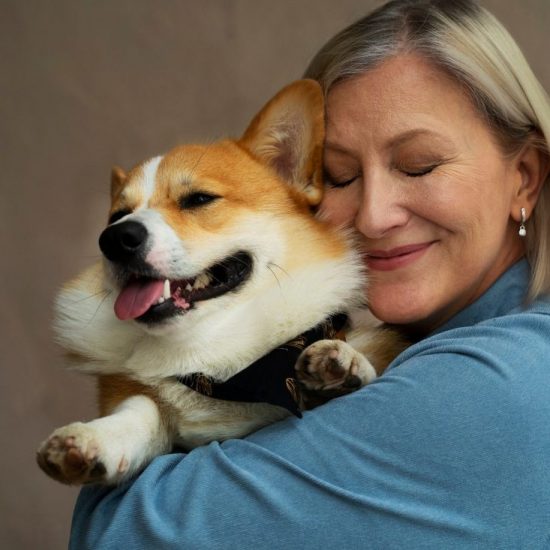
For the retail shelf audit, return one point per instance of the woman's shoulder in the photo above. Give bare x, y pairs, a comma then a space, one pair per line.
519, 335
491, 376
500, 363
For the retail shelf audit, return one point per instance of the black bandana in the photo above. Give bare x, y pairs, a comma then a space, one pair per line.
270, 379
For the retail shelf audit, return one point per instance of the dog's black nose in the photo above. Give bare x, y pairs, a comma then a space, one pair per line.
124, 241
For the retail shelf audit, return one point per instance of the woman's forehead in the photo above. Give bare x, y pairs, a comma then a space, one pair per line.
405, 96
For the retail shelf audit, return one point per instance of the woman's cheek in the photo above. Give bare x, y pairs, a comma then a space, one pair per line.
337, 208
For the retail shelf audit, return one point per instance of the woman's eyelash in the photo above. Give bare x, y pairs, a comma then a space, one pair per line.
339, 183
334, 182
419, 172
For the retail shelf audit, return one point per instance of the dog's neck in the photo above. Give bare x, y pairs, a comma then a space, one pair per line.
271, 378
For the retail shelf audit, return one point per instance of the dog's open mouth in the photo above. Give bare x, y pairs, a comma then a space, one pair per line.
152, 300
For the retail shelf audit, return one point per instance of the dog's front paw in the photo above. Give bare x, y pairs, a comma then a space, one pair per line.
72, 455
332, 368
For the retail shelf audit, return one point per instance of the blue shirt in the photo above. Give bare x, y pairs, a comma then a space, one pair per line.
450, 448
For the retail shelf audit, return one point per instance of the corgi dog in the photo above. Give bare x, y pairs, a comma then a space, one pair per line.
213, 258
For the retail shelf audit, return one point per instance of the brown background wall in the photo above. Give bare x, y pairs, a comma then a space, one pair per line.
85, 85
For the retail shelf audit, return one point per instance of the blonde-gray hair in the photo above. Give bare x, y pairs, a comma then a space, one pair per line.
470, 44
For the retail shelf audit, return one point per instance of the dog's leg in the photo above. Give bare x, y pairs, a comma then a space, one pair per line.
108, 449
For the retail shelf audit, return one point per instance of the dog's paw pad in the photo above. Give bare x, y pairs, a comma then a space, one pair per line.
71, 456
333, 365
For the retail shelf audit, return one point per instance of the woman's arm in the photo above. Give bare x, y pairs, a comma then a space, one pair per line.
448, 449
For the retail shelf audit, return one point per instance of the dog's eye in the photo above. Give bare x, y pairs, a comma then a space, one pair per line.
194, 200
115, 216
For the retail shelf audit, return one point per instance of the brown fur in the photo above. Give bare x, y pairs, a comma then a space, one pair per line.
386, 344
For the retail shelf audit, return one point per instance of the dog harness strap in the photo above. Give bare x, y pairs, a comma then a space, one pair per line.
270, 379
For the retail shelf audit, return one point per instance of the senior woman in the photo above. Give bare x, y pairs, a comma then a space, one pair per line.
437, 153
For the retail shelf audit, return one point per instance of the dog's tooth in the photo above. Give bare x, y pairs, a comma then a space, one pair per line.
189, 288
202, 281
166, 293
161, 300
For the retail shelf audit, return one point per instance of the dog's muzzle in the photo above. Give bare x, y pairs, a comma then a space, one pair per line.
150, 296
124, 242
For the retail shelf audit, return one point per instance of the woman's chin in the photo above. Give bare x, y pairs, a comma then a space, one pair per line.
406, 308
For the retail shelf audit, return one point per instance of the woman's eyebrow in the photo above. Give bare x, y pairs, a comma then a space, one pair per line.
409, 135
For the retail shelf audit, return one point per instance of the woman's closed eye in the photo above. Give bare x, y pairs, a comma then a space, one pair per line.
417, 171
340, 181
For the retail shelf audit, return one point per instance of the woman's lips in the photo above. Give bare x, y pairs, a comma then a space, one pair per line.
395, 258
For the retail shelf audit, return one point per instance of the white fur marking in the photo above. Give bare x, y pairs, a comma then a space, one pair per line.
149, 178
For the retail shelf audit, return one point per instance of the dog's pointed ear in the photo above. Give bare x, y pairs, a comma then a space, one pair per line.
288, 135
118, 179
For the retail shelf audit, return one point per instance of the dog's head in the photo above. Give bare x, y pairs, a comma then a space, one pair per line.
202, 225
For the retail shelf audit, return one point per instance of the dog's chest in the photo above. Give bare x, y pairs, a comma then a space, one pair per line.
196, 419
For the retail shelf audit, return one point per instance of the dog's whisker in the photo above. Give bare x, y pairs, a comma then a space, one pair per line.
98, 307
280, 268
106, 292
274, 275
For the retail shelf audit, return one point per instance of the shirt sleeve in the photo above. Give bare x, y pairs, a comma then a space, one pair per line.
448, 449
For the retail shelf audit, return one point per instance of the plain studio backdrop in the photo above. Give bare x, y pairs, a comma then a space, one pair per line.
88, 84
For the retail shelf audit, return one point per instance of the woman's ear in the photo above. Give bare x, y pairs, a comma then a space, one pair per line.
533, 167
288, 134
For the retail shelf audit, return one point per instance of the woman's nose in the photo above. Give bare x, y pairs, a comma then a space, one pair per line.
382, 207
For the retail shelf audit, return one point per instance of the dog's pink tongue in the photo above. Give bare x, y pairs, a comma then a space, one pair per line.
137, 297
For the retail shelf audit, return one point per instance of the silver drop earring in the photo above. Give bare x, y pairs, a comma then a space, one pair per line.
522, 231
